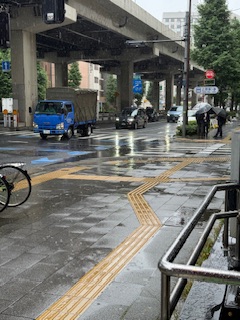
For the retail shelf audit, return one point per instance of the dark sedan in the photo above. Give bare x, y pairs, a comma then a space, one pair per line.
131, 118
152, 114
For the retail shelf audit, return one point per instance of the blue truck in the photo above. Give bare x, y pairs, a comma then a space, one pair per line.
65, 111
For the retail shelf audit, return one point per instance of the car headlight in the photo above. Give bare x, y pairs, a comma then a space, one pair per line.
168, 114
117, 118
60, 126
35, 125
130, 119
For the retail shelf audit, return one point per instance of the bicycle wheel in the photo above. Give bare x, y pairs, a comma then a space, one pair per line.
4, 193
19, 182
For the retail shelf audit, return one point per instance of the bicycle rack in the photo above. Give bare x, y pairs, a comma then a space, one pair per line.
189, 271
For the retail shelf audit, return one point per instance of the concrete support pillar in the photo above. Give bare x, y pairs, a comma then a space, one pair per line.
156, 94
169, 90
24, 73
61, 74
125, 87
178, 97
235, 176
194, 99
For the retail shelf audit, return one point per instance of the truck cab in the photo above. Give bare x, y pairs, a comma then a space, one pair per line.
54, 117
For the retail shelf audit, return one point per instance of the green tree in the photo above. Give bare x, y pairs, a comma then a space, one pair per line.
74, 76
5, 77
235, 92
42, 81
214, 44
111, 90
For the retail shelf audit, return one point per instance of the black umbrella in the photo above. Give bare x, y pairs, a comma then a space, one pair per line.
205, 108
220, 112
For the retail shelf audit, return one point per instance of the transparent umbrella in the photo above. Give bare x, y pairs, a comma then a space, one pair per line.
201, 105
206, 107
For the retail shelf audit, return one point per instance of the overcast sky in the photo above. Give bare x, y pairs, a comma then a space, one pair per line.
157, 7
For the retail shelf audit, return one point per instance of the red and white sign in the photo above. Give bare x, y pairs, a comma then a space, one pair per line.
210, 74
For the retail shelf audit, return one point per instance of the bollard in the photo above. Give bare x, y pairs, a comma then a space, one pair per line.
15, 118
5, 113
5, 120
9, 120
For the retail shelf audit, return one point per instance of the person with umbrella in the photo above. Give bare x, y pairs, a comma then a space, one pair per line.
221, 119
203, 119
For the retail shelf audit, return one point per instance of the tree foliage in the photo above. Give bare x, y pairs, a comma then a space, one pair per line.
74, 76
214, 45
42, 81
5, 77
235, 25
111, 90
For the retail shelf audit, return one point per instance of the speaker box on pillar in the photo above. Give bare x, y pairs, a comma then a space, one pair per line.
53, 11
4, 30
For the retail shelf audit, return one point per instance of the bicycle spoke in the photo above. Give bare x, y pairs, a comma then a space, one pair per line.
4, 194
19, 183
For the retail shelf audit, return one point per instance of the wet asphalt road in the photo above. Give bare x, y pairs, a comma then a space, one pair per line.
73, 221
106, 141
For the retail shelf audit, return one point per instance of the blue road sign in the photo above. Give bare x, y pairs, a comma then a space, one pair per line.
5, 66
137, 86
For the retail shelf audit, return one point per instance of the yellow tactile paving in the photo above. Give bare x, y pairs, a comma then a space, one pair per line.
101, 178
89, 287
55, 174
84, 292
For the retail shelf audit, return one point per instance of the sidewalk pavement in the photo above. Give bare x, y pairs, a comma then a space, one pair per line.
52, 241
135, 293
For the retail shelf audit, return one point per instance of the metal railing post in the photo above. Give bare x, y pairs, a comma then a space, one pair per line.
165, 297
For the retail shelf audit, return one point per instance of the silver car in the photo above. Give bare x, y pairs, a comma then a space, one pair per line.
174, 113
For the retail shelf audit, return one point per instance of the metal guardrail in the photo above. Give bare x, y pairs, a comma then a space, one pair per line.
168, 268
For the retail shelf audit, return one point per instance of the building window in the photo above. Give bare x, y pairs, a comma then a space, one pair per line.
95, 79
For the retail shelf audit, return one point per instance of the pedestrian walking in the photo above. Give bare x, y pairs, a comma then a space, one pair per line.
221, 121
205, 124
199, 121
203, 121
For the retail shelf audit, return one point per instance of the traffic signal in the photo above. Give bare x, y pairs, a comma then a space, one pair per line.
53, 11
180, 80
4, 30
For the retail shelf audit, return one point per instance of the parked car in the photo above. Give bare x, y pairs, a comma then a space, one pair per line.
152, 114
174, 113
191, 117
132, 118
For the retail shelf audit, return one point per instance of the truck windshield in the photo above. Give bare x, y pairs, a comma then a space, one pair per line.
49, 107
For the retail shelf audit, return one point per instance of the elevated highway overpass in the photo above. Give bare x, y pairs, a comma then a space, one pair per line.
96, 32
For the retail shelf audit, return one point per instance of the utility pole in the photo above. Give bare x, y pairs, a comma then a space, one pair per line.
186, 68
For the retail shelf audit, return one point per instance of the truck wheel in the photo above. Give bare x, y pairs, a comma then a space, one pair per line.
69, 133
88, 131
43, 136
